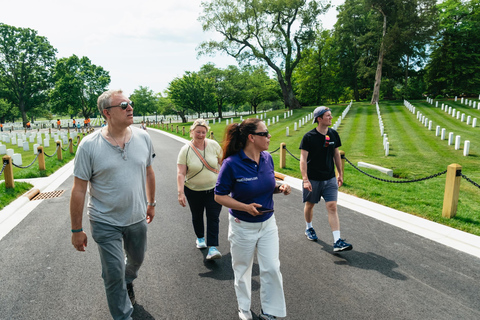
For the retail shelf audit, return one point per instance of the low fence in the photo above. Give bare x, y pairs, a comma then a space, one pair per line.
7, 167
452, 183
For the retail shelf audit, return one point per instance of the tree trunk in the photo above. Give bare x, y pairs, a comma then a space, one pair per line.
289, 98
405, 96
378, 74
219, 108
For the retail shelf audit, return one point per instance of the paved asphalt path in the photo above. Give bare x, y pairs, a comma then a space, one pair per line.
390, 274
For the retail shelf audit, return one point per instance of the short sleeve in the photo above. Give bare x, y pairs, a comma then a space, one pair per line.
225, 180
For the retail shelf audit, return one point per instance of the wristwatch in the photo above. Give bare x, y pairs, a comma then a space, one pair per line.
152, 204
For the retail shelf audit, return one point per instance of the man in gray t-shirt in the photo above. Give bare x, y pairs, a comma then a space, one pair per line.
116, 164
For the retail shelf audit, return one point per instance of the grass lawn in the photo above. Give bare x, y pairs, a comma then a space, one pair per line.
11, 194
415, 152
52, 164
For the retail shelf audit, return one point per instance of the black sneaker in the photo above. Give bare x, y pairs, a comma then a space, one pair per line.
341, 245
131, 293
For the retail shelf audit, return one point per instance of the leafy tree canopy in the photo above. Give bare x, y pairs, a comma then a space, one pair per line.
78, 84
26, 64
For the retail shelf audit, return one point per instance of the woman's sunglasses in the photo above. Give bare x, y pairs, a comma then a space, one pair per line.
262, 134
123, 105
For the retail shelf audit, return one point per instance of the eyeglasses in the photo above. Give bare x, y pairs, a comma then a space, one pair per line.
123, 105
261, 134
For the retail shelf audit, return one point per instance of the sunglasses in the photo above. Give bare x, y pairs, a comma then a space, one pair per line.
261, 134
123, 105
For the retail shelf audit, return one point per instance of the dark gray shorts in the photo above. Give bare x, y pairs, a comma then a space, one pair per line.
327, 189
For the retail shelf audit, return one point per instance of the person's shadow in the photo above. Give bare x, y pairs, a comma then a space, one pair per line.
367, 261
139, 313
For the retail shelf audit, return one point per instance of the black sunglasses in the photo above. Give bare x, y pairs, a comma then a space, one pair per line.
262, 134
123, 105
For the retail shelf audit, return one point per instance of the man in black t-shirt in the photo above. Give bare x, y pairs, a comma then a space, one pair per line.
318, 158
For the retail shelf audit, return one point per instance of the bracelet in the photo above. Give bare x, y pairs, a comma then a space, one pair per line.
180, 193
77, 230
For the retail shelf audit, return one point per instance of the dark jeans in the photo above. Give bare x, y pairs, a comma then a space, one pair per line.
200, 201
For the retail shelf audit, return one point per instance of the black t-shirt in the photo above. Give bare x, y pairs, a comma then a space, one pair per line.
320, 164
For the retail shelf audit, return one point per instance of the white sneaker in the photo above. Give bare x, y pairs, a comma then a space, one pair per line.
201, 243
244, 314
213, 253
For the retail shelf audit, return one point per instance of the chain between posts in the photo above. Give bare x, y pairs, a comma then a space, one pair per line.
3, 168
471, 181
28, 165
56, 150
395, 181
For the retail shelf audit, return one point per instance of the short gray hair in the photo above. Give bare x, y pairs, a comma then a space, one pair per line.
105, 100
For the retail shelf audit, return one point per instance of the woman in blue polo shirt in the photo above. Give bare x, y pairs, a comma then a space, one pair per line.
246, 184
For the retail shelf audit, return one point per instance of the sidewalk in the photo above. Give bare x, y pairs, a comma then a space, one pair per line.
14, 213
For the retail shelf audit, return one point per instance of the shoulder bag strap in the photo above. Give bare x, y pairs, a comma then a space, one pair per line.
205, 163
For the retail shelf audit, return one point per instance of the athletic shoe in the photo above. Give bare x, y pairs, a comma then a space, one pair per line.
311, 235
213, 253
266, 316
341, 245
244, 314
201, 243
131, 294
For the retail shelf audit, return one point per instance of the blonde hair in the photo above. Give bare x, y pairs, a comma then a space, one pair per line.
199, 123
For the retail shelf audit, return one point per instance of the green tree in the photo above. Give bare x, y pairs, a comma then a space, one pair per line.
78, 84
224, 83
26, 63
259, 87
317, 76
145, 100
274, 32
454, 66
192, 92
406, 24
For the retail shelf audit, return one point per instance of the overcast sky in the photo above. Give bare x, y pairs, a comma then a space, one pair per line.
140, 43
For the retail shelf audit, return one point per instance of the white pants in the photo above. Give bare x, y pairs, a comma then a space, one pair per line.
244, 238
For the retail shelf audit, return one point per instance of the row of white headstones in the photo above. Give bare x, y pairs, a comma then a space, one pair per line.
270, 121
442, 131
386, 143
23, 140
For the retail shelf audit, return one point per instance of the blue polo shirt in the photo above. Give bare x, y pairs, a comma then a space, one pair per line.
245, 181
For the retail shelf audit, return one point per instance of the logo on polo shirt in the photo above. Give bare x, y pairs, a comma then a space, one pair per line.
247, 179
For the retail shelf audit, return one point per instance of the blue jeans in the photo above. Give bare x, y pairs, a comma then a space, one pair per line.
200, 201
116, 270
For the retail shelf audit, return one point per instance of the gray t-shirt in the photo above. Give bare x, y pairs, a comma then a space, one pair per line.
117, 193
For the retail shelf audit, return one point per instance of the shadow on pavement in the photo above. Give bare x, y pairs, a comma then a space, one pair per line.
139, 313
366, 261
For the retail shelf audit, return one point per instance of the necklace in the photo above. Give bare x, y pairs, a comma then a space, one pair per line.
118, 144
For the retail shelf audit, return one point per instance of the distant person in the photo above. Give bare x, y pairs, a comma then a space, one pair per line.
28, 125
319, 152
246, 184
143, 126
1, 127
197, 171
115, 164
59, 125
73, 125
104, 124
